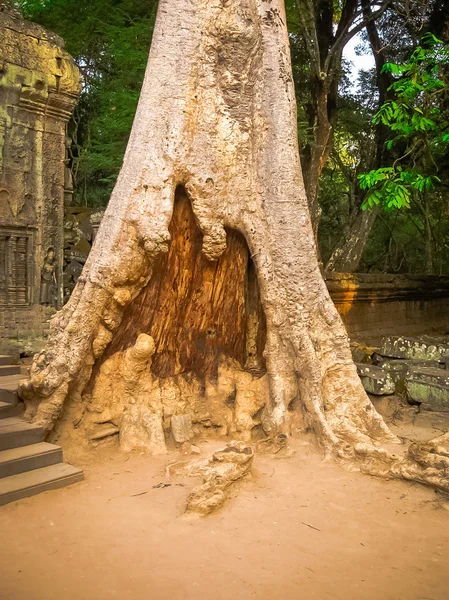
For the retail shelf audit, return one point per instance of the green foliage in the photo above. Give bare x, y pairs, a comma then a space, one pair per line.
419, 123
110, 41
391, 186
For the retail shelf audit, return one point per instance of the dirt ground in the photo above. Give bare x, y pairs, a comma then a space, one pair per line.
299, 529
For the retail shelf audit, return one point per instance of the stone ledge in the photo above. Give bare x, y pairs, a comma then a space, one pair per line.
385, 287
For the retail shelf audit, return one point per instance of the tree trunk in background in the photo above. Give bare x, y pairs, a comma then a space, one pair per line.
148, 339
347, 254
324, 47
316, 155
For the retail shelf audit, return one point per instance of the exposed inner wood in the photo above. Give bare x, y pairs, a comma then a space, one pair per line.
197, 310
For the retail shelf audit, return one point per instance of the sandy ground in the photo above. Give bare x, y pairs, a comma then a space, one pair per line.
299, 529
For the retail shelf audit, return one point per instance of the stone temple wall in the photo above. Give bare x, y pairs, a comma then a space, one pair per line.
374, 305
39, 88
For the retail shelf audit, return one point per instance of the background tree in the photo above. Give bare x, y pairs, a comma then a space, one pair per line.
320, 30
398, 238
347, 253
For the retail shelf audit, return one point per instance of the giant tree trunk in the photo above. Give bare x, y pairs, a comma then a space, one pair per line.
147, 337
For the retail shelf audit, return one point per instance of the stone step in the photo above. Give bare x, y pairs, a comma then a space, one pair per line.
6, 359
34, 482
28, 458
10, 370
8, 388
12, 421
8, 396
10, 382
9, 409
15, 432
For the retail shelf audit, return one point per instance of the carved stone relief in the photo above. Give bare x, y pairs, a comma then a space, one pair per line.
39, 88
15, 267
48, 279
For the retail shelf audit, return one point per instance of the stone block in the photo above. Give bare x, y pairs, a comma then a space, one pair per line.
429, 387
181, 427
362, 353
398, 369
414, 348
375, 380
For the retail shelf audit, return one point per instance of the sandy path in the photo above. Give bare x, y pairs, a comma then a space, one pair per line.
377, 540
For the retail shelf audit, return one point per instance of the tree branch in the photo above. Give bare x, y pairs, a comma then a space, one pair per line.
347, 33
308, 30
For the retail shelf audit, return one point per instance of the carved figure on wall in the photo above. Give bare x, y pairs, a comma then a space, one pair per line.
48, 279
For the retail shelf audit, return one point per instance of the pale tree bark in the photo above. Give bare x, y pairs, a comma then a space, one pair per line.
217, 115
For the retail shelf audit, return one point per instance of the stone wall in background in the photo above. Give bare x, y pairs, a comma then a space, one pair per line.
80, 227
374, 305
39, 88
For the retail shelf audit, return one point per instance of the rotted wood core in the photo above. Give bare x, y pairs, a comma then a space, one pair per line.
197, 311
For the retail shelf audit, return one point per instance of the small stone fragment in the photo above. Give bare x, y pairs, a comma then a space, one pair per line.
181, 427
104, 432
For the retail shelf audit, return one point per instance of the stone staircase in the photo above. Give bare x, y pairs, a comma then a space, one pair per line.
28, 465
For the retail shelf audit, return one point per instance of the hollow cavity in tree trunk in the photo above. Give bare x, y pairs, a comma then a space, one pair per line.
189, 349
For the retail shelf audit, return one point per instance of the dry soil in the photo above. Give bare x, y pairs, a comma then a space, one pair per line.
299, 529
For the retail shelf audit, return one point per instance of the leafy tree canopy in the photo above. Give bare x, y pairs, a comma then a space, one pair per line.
339, 141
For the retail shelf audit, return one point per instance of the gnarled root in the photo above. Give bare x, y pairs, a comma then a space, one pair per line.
426, 462
219, 471
421, 462
276, 446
